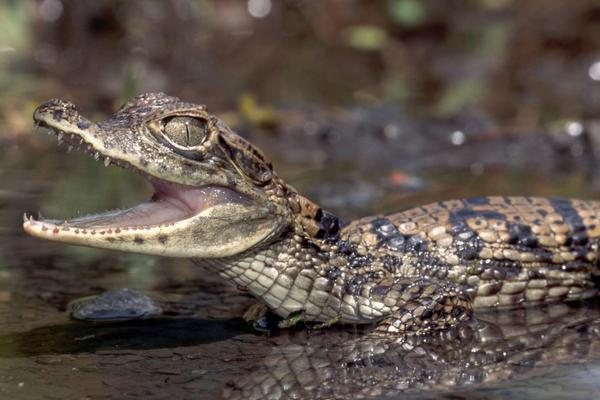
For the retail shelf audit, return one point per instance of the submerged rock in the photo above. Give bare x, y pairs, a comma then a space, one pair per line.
115, 305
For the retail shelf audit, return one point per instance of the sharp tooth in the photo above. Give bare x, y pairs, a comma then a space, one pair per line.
96, 156
107, 161
69, 149
25, 219
60, 136
80, 140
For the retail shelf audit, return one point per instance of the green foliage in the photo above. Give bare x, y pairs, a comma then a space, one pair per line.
14, 24
407, 13
461, 94
130, 87
367, 37
15, 37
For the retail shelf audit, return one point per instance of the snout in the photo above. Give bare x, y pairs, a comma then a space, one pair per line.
59, 114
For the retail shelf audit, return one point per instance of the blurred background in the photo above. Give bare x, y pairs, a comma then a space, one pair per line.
523, 64
374, 96
364, 106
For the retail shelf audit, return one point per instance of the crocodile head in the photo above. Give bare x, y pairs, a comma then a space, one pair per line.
215, 195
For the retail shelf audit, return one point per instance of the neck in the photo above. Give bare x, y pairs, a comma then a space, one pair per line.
288, 276
268, 274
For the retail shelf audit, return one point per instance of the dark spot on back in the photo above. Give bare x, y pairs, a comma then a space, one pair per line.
356, 261
163, 239
416, 244
138, 240
569, 214
479, 201
334, 273
521, 234
468, 252
579, 239
489, 214
575, 266
536, 274
329, 225
346, 248
396, 243
459, 216
529, 241
384, 228
463, 213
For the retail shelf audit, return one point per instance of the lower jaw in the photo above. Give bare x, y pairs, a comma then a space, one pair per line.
170, 204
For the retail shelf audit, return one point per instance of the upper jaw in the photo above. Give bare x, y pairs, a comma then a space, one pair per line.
123, 140
61, 118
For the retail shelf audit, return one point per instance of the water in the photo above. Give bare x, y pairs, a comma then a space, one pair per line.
207, 351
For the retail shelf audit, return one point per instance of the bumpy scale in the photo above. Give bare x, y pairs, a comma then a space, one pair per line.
217, 200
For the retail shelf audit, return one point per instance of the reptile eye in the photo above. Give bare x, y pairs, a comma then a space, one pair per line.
185, 131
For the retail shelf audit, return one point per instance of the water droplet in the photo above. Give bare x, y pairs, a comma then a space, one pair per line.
391, 131
594, 71
50, 10
457, 138
574, 128
259, 8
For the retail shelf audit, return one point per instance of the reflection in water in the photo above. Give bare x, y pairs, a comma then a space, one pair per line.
504, 345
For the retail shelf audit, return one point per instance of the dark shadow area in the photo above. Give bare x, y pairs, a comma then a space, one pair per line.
72, 338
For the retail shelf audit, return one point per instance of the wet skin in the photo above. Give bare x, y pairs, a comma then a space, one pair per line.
218, 201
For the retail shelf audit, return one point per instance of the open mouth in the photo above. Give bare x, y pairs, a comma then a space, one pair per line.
170, 204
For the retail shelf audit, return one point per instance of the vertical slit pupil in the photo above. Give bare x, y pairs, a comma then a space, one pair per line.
186, 131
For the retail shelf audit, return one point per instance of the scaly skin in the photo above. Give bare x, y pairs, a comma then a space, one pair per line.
418, 270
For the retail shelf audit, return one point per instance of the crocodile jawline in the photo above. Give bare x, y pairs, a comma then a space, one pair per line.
170, 203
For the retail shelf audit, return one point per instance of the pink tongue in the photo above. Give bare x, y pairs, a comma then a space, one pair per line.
171, 203
185, 198
154, 213
193, 200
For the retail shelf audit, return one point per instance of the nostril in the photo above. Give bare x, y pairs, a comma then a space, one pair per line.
57, 114
58, 109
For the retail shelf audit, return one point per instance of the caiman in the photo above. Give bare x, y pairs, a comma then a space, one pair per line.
218, 200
